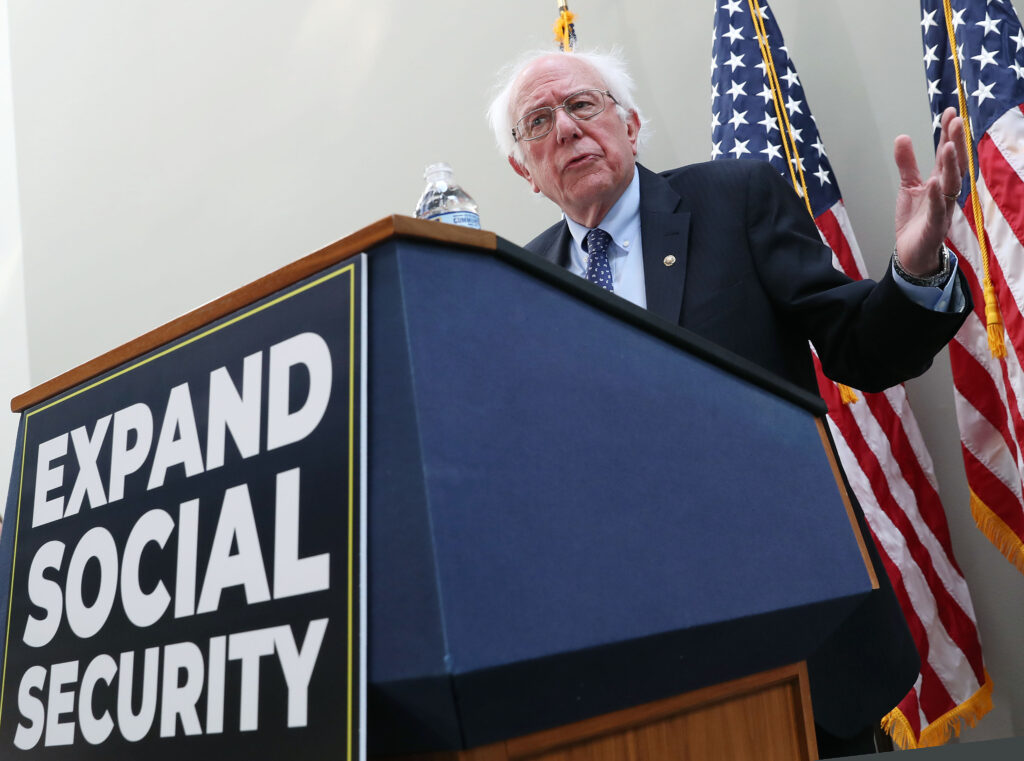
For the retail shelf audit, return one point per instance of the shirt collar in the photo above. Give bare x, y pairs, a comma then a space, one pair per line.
622, 221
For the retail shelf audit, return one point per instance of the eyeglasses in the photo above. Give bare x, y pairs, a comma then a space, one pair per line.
582, 105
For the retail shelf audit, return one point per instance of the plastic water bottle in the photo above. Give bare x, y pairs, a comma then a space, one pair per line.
443, 200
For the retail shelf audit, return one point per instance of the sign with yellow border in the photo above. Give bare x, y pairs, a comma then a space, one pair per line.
185, 549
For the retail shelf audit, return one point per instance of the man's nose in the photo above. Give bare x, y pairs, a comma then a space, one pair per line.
565, 126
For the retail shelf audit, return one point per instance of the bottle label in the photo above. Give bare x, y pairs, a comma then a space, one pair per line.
461, 218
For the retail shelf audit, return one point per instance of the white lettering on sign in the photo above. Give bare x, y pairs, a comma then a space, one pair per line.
235, 560
208, 554
173, 680
232, 412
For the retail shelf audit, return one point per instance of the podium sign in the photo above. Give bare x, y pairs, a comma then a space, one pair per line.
185, 575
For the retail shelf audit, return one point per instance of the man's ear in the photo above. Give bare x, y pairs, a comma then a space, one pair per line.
521, 170
633, 128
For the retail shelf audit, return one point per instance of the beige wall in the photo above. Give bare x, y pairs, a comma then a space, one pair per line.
168, 152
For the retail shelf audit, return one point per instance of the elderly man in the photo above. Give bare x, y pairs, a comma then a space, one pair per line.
728, 250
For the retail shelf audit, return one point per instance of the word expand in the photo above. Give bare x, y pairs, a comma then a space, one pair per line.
229, 410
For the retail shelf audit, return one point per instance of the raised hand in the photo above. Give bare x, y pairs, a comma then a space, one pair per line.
924, 208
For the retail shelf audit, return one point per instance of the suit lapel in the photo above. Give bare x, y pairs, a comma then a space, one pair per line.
557, 250
664, 230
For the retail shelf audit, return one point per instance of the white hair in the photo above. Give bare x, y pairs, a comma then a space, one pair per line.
610, 67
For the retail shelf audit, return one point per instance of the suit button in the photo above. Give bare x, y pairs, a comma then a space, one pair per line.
669, 260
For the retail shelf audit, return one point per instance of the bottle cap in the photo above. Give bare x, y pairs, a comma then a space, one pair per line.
437, 171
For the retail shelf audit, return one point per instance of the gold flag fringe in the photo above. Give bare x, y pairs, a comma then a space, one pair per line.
946, 726
1001, 535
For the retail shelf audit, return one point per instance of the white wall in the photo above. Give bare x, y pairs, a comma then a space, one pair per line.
169, 152
14, 375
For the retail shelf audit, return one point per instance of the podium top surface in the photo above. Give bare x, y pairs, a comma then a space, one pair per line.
399, 226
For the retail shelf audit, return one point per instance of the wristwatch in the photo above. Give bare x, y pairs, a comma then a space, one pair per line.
938, 280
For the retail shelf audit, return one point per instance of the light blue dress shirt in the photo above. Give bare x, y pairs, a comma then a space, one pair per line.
626, 258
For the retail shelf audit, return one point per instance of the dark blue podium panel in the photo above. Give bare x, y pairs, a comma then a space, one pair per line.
569, 515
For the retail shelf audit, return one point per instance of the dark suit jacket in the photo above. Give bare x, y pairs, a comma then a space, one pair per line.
752, 275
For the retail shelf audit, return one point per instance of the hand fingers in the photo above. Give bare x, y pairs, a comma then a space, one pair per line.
952, 131
948, 171
959, 141
906, 162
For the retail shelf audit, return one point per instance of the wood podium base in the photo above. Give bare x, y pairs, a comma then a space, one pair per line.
766, 716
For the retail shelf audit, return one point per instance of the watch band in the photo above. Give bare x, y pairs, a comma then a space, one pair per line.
938, 280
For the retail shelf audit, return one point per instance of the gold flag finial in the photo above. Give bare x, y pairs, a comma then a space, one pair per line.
565, 29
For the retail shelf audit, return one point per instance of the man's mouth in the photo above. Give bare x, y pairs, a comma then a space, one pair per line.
580, 160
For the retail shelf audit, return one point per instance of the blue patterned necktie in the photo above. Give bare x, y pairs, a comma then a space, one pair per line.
599, 271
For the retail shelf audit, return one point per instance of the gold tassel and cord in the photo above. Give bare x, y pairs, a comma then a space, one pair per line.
993, 318
796, 172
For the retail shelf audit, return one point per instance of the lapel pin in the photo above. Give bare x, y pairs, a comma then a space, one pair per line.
669, 260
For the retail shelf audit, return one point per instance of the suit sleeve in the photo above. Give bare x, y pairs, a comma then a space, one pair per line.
868, 335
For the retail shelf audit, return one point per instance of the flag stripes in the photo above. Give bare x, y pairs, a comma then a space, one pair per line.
877, 439
988, 390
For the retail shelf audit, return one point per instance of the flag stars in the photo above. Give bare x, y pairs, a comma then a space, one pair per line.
738, 118
984, 92
734, 34
715, 122
714, 91
984, 58
736, 89
772, 150
1019, 39
933, 88
797, 134
732, 6
958, 18
766, 93
1017, 69
928, 20
793, 106
929, 55
822, 175
769, 123
819, 146
796, 159
739, 148
791, 78
936, 121
716, 150
990, 24
959, 52
735, 62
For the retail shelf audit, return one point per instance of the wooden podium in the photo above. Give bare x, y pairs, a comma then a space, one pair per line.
524, 603
766, 716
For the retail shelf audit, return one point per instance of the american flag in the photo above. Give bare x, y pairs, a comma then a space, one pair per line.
989, 390
877, 437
